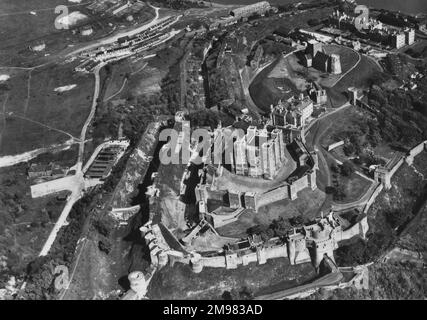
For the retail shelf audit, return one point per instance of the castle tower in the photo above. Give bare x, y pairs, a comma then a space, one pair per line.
353, 92
278, 134
312, 180
268, 160
250, 201
235, 199
138, 283
229, 148
382, 175
313, 47
251, 150
163, 258
218, 146
196, 262
276, 148
240, 155
335, 64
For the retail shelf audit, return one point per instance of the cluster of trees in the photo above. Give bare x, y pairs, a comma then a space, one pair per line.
278, 227
272, 48
417, 54
398, 19
180, 4
243, 294
398, 120
210, 118
346, 169
337, 190
363, 251
397, 218
363, 135
222, 75
40, 272
385, 230
398, 65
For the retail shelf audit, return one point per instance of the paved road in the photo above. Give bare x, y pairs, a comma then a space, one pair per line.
332, 278
89, 118
77, 185
329, 113
328, 280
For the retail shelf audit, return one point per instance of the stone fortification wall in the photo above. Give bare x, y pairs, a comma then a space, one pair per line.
359, 229
272, 196
234, 260
416, 151
384, 174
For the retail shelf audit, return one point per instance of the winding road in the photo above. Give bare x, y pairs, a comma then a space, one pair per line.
77, 183
349, 70
90, 117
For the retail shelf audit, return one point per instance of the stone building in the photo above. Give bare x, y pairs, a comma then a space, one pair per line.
317, 93
258, 153
398, 40
409, 36
246, 11
316, 57
293, 113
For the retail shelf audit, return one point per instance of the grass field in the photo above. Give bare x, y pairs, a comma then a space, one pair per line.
35, 115
418, 50
358, 77
354, 187
287, 77
343, 121
307, 205
19, 26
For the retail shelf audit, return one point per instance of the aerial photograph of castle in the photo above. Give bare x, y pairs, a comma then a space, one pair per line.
220, 150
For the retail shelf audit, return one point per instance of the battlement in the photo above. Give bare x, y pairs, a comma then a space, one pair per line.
309, 243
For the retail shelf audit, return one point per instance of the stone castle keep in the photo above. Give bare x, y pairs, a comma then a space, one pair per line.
258, 153
263, 169
316, 57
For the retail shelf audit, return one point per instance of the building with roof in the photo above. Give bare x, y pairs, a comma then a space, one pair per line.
398, 40
246, 11
317, 94
46, 171
409, 36
316, 57
293, 113
375, 30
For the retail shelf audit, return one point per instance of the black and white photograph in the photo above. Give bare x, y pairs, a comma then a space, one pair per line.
206, 158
